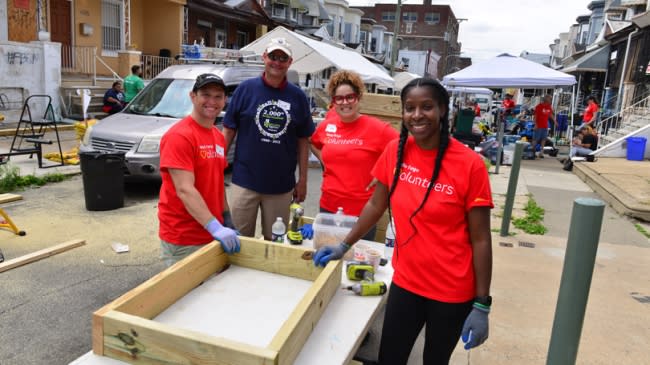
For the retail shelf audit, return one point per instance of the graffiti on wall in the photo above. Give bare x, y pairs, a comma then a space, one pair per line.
21, 58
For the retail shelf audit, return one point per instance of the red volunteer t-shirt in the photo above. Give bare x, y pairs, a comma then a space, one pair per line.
188, 146
433, 257
349, 151
508, 104
589, 113
542, 112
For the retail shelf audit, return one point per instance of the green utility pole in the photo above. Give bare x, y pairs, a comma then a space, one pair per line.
398, 17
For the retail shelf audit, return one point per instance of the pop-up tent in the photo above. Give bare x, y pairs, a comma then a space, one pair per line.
507, 71
311, 56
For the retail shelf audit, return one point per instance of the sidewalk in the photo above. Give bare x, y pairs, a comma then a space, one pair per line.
29, 165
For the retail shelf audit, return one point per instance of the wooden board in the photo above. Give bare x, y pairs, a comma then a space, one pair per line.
41, 254
7, 197
124, 330
385, 107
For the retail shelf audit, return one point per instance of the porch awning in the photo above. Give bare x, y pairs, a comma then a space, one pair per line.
594, 61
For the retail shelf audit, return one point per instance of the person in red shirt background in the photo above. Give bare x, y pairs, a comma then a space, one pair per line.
438, 193
477, 109
508, 105
589, 114
543, 111
348, 144
192, 209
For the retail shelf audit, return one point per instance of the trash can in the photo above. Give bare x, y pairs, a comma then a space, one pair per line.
464, 121
103, 179
636, 148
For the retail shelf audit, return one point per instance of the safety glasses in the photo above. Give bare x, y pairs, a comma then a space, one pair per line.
278, 58
350, 98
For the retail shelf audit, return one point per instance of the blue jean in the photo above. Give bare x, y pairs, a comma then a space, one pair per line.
539, 136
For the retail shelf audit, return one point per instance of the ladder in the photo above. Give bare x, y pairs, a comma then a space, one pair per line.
32, 130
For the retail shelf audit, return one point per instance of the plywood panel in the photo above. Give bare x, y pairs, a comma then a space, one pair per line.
22, 20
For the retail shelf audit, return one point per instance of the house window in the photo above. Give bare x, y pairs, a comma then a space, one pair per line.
432, 18
279, 10
294, 14
242, 39
409, 28
112, 25
387, 16
220, 38
410, 16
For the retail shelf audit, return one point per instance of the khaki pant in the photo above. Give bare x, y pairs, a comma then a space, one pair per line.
244, 204
171, 253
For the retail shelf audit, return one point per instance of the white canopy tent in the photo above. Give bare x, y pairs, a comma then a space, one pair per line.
311, 56
507, 71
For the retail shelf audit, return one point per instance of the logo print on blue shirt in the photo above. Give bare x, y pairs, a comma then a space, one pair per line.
272, 120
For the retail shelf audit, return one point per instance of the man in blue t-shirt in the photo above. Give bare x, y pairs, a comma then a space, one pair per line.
272, 121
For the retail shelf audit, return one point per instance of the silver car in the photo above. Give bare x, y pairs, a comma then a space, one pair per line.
137, 130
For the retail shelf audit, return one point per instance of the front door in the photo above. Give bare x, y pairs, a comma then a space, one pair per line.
61, 29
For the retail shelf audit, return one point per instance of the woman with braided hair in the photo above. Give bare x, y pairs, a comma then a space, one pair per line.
438, 192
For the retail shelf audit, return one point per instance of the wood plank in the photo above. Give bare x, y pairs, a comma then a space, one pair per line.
385, 107
126, 336
156, 294
8, 197
41, 254
295, 331
294, 261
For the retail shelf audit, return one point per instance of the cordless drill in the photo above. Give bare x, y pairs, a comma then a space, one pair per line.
293, 234
360, 270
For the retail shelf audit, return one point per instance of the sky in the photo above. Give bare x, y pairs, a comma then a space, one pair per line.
496, 26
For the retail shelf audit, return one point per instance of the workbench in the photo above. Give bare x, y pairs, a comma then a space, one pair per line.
335, 339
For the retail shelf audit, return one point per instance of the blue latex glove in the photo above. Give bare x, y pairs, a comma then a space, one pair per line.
226, 236
476, 327
307, 231
227, 220
326, 253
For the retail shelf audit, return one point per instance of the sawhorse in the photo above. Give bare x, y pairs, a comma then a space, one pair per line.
5, 221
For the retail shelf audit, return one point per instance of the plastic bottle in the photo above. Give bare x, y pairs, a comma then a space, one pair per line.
390, 241
278, 230
338, 217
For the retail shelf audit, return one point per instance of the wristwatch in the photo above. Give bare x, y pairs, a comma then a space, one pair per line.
483, 300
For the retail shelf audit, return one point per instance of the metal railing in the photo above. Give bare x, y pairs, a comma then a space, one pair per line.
153, 65
115, 75
78, 59
615, 122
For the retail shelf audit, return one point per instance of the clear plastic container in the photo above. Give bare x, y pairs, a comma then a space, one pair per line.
331, 229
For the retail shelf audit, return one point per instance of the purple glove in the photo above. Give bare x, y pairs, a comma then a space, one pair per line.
226, 236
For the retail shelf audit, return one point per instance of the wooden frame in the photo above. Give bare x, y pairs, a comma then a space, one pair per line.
124, 330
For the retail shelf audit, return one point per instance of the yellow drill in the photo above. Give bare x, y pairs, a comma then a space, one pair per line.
293, 234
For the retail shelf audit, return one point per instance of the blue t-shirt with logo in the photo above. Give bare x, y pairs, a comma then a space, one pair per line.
269, 122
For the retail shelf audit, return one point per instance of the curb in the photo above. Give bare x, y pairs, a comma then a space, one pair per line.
619, 199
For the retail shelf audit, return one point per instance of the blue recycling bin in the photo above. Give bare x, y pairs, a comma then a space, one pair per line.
636, 148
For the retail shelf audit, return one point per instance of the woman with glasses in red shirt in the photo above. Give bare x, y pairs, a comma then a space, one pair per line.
348, 144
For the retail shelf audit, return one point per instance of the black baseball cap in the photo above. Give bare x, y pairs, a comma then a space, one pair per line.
205, 79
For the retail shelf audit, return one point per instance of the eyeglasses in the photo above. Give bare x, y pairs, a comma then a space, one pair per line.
279, 58
350, 98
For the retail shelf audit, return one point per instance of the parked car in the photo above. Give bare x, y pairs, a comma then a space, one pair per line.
137, 130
